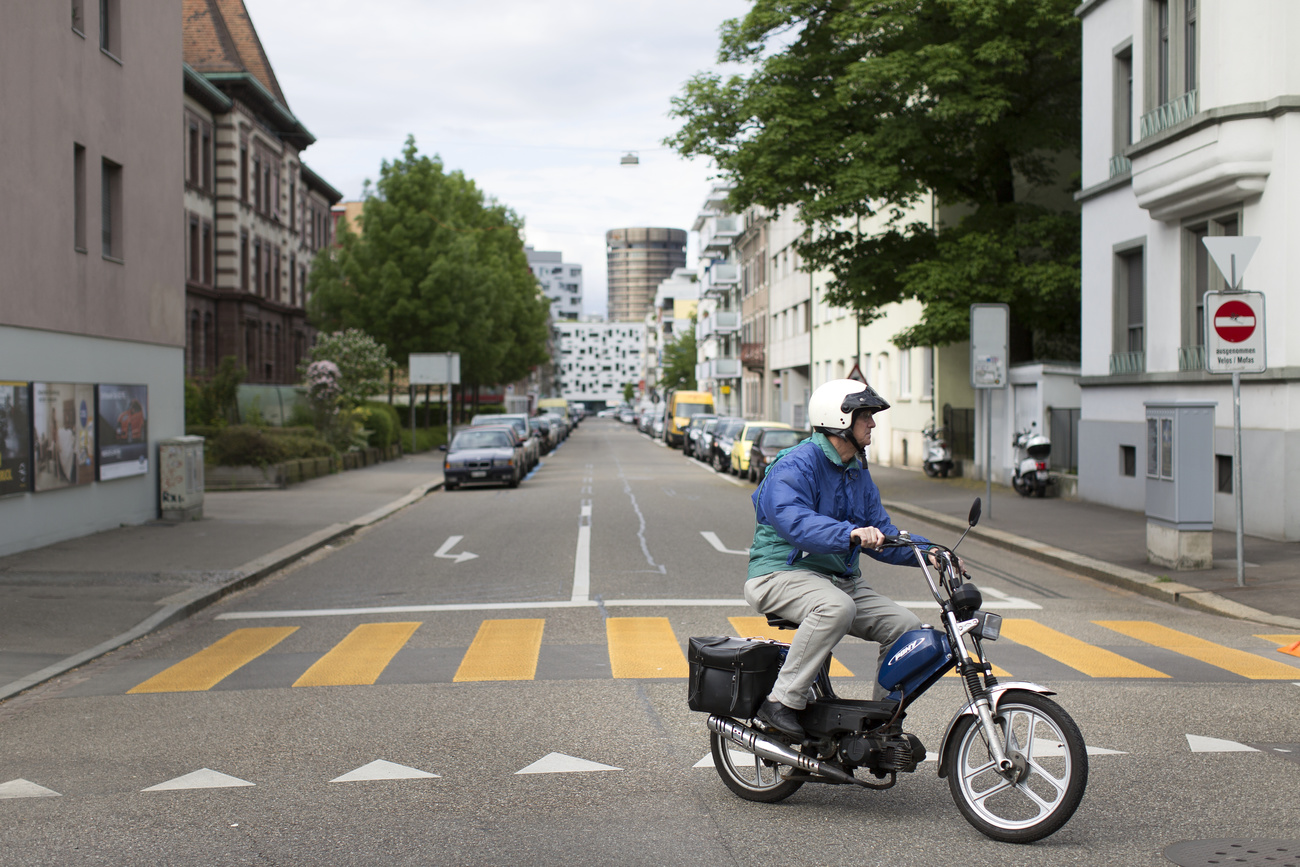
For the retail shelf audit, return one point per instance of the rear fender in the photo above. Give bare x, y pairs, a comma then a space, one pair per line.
995, 698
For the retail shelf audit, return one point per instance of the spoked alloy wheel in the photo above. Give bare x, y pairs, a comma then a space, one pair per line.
750, 776
1051, 770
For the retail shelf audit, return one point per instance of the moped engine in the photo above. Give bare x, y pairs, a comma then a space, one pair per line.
882, 753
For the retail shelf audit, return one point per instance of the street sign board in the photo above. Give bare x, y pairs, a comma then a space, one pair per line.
1232, 253
434, 368
990, 326
856, 373
1234, 338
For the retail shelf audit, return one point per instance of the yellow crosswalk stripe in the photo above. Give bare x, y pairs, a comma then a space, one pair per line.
747, 627
1290, 643
503, 650
998, 671
1239, 662
1079, 655
644, 647
361, 657
208, 667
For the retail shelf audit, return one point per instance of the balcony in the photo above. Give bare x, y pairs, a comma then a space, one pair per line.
719, 368
753, 355
1128, 362
717, 233
1191, 358
721, 278
1172, 113
718, 323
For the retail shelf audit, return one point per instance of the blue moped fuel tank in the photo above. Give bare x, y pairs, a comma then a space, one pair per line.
914, 658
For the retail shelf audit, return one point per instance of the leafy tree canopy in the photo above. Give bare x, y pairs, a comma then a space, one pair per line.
436, 267
679, 361
851, 109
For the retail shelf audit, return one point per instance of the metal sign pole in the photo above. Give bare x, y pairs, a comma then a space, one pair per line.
1236, 478
988, 449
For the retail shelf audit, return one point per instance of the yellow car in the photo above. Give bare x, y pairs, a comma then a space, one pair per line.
745, 441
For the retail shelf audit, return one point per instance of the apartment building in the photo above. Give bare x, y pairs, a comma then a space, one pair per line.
561, 282
1191, 115
638, 260
92, 314
718, 315
596, 360
255, 215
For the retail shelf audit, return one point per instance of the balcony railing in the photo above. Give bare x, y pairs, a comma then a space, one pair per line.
718, 232
1120, 165
718, 322
1128, 362
719, 368
1173, 112
753, 355
1191, 358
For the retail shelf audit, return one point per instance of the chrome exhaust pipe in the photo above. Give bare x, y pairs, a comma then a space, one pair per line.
759, 743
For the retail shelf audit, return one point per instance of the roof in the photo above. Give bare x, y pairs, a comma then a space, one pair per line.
218, 36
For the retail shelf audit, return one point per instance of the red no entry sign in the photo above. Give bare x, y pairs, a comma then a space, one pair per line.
1234, 321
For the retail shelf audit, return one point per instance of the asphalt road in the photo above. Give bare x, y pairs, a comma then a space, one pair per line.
554, 651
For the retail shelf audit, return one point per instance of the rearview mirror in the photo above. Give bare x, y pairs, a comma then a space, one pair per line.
974, 517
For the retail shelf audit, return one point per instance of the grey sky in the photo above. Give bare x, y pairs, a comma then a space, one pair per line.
535, 101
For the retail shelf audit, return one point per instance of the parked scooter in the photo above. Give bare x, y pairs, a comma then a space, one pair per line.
1031, 475
938, 454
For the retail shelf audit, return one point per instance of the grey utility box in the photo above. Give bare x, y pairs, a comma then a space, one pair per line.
1180, 484
180, 478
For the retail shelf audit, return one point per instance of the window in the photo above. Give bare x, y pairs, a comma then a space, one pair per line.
927, 373
110, 21
1201, 275
277, 274
205, 157
243, 261
1223, 473
1130, 302
195, 254
1122, 124
293, 202
1172, 52
905, 373
243, 172
257, 183
293, 276
111, 209
257, 266
207, 253
1189, 44
79, 197
192, 170
1128, 461
79, 18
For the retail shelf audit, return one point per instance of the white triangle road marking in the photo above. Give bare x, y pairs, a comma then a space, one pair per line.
382, 769
559, 763
1044, 747
1201, 744
204, 778
738, 758
21, 788
712, 538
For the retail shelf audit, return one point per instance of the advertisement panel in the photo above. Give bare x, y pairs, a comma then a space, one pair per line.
123, 430
63, 434
15, 438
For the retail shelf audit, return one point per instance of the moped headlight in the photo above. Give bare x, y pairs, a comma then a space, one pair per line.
990, 625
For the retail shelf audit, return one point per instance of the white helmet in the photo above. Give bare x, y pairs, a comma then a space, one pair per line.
833, 404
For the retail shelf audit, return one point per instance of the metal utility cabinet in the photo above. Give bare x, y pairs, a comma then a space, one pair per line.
180, 478
1180, 484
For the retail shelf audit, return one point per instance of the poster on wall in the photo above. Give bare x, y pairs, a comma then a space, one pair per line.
123, 413
15, 438
63, 434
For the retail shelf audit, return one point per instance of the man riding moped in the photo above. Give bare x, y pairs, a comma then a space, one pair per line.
814, 512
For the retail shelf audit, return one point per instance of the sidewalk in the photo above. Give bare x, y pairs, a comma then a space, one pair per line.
66, 603
1107, 544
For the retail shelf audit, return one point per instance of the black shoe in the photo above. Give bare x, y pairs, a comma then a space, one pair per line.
781, 718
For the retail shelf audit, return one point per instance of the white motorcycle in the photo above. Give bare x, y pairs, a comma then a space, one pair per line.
1031, 475
938, 454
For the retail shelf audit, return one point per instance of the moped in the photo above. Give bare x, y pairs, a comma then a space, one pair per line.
1031, 475
938, 454
1015, 761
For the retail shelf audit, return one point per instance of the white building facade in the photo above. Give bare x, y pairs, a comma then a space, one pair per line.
561, 282
595, 360
1191, 119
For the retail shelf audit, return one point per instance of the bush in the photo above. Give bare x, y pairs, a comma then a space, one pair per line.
215, 402
383, 423
244, 445
425, 440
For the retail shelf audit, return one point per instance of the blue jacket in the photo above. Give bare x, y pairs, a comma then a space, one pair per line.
806, 508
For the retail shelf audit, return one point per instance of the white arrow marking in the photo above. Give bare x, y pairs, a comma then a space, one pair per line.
559, 763
452, 542
739, 759
381, 769
204, 778
26, 789
1201, 744
712, 538
1043, 747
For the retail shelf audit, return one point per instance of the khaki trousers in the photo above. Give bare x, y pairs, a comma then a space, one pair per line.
826, 610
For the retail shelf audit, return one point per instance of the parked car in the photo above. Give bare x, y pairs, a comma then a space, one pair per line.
724, 436
703, 450
681, 406
559, 429
657, 427
519, 421
541, 426
691, 433
482, 454
767, 445
738, 460
627, 416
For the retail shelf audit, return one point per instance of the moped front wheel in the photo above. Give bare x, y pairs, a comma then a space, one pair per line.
1045, 788
749, 775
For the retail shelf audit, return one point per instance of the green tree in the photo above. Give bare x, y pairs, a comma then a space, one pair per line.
856, 108
628, 390
437, 267
679, 361
362, 361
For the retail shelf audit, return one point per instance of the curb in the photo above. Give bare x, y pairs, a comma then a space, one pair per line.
1121, 576
189, 602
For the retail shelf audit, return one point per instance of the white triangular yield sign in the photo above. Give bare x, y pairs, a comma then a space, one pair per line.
26, 789
204, 778
381, 769
1201, 744
559, 763
1232, 253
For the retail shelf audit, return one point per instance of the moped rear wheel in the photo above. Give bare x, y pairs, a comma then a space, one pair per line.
1044, 791
750, 776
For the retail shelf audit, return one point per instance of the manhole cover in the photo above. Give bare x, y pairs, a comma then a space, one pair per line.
1235, 851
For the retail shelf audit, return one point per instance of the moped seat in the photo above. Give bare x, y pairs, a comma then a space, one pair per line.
773, 620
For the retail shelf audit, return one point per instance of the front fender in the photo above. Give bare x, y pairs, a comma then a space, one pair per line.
995, 698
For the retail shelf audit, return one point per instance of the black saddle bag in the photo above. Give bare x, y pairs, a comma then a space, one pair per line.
732, 676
